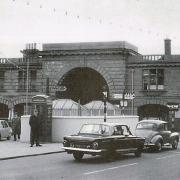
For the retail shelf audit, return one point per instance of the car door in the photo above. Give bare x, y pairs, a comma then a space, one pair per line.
130, 140
164, 132
119, 138
2, 131
6, 129
124, 140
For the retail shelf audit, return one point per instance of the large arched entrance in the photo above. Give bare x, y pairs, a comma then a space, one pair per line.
83, 85
153, 111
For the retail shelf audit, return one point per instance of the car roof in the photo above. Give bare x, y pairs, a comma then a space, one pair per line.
107, 123
154, 121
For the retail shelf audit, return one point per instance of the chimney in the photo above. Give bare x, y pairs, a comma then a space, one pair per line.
167, 47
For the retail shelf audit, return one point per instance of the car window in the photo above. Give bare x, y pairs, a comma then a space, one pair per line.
163, 127
1, 125
105, 130
118, 130
5, 124
91, 129
95, 129
146, 125
125, 130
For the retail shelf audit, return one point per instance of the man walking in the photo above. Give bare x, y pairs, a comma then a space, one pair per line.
16, 126
34, 123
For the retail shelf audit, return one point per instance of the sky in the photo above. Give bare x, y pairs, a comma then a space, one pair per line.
143, 23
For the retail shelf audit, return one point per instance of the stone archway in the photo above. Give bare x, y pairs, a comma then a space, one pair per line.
152, 108
83, 84
58, 75
156, 111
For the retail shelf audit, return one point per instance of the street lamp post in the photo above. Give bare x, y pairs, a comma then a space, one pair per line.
132, 91
105, 99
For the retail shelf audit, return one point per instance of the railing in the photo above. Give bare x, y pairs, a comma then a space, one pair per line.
91, 112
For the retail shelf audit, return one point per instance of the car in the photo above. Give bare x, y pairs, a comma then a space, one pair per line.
5, 130
156, 134
105, 139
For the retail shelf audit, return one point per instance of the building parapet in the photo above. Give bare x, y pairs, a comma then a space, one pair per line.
154, 58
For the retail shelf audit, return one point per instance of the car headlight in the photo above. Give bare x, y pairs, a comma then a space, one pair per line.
95, 145
65, 143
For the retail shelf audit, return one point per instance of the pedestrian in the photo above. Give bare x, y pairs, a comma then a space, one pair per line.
16, 126
34, 123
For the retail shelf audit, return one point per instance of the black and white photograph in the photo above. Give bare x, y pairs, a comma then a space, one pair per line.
89, 89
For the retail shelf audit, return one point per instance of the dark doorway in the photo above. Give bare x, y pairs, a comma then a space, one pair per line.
153, 111
4, 112
19, 108
83, 85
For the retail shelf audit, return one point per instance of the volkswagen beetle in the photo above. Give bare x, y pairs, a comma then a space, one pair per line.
156, 134
105, 139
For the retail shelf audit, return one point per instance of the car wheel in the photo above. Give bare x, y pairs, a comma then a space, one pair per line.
78, 155
8, 138
0, 137
158, 146
138, 153
175, 144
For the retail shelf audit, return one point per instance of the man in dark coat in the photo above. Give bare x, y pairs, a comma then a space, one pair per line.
16, 126
34, 123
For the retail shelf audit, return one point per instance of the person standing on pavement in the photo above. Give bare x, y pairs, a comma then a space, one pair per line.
16, 126
34, 123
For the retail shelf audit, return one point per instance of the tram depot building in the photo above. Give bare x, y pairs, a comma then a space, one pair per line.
143, 85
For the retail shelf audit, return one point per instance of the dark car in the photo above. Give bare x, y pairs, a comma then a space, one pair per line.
156, 134
106, 139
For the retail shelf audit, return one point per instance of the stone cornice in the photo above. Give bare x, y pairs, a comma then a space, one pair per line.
86, 52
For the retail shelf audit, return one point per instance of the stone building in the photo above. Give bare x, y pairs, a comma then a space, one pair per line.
144, 85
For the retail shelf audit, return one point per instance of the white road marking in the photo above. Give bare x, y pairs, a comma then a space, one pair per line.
164, 157
116, 167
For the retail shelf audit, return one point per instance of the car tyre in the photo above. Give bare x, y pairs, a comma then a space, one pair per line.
158, 146
0, 137
78, 155
175, 144
138, 153
8, 138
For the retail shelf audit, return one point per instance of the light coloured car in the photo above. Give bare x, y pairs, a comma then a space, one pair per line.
156, 134
5, 130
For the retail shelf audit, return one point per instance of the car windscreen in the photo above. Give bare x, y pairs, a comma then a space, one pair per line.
95, 129
146, 125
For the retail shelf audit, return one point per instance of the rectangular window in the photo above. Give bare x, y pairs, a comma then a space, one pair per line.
2, 78
153, 79
33, 78
21, 80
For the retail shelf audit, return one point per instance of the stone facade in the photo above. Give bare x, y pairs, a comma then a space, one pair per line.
118, 63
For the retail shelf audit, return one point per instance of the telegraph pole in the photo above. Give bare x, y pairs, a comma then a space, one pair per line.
27, 79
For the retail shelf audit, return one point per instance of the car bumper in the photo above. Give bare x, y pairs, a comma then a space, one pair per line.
149, 144
86, 151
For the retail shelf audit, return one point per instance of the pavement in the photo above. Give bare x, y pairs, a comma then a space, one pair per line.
10, 149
